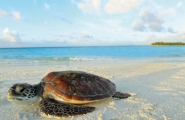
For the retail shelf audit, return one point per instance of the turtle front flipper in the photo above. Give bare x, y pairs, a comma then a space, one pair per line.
54, 108
121, 95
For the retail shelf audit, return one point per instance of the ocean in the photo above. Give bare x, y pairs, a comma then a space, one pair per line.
58, 54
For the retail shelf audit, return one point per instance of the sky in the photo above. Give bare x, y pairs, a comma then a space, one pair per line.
57, 23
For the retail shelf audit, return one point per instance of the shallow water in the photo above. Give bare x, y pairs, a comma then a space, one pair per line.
30, 55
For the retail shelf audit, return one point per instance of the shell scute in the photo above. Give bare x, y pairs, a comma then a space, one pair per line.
49, 87
105, 84
77, 97
58, 92
97, 89
63, 84
83, 89
90, 98
107, 94
67, 96
49, 77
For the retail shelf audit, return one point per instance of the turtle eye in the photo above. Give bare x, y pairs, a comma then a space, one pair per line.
22, 89
19, 89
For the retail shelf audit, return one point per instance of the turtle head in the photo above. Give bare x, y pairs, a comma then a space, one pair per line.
23, 94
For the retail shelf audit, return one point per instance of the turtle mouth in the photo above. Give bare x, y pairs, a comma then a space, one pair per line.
14, 99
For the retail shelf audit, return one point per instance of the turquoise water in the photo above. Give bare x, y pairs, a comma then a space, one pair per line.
90, 53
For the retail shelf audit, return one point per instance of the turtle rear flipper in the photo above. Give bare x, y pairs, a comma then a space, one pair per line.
121, 95
54, 108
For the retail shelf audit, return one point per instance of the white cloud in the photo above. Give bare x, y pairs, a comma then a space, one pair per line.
151, 16
171, 30
10, 36
16, 15
46, 6
150, 20
121, 6
170, 12
138, 25
74, 38
85, 35
179, 4
89, 6
178, 37
3, 14
69, 36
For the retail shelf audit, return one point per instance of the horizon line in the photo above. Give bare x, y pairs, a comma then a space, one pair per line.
70, 46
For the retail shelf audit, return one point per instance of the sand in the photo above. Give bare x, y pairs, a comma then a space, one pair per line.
157, 89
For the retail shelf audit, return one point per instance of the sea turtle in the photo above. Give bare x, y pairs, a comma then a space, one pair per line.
63, 93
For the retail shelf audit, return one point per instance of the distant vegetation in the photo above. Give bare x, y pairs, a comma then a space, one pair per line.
168, 43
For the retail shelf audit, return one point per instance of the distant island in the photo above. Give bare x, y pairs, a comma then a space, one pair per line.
168, 44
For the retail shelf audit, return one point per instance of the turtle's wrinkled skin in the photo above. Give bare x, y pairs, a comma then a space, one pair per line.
60, 92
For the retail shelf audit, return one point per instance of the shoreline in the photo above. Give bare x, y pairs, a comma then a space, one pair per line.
157, 89
89, 60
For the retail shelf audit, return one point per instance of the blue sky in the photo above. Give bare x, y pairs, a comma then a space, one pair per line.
42, 23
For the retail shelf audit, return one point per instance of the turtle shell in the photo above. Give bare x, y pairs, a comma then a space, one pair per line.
76, 87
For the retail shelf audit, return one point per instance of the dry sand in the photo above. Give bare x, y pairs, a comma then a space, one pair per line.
157, 89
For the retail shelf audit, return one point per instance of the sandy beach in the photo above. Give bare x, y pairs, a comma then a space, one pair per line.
157, 89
